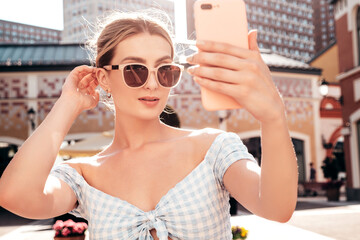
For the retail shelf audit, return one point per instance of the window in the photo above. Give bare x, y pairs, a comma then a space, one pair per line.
358, 33
358, 130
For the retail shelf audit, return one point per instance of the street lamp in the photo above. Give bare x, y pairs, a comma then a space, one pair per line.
223, 116
31, 115
324, 87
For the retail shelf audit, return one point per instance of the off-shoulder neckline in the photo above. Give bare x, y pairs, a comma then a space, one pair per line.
164, 197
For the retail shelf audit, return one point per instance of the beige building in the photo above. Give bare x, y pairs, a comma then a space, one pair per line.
331, 104
37, 86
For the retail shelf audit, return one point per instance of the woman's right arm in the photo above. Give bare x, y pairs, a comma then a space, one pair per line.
25, 186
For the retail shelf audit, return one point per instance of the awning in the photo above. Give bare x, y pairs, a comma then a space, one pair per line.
89, 146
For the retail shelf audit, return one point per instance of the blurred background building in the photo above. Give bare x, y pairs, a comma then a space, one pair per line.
80, 16
12, 32
290, 34
347, 17
324, 24
296, 29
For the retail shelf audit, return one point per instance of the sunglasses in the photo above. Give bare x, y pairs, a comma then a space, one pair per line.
136, 75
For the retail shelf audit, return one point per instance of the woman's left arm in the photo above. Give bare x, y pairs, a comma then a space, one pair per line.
269, 191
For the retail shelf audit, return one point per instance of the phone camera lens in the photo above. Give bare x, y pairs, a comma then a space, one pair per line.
206, 6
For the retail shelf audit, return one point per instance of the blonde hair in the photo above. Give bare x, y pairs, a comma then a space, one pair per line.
118, 26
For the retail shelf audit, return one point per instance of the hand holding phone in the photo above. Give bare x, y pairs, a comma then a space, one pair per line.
220, 21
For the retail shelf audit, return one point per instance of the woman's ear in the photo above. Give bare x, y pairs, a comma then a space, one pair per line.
103, 78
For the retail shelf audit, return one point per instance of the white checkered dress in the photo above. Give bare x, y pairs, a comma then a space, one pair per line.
196, 208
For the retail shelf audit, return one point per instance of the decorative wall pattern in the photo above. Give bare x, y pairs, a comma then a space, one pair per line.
94, 120
50, 86
293, 87
13, 87
43, 109
299, 112
186, 86
13, 120
191, 112
186, 101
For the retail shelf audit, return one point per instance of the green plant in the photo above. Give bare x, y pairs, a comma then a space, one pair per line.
330, 168
239, 232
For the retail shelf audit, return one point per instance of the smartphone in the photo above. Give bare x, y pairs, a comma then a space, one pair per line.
220, 21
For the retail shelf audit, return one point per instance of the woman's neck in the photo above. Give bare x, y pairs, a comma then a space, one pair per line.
132, 133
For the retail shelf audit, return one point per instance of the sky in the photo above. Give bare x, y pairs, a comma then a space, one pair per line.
49, 14
42, 13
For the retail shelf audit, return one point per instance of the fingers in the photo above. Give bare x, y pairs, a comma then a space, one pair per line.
216, 86
228, 49
216, 59
88, 80
213, 73
79, 72
253, 40
246, 71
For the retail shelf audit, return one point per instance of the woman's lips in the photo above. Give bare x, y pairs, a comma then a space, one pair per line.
149, 101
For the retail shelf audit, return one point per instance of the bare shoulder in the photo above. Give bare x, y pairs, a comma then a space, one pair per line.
79, 164
203, 138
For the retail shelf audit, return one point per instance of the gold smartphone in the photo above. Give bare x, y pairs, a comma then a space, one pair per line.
220, 21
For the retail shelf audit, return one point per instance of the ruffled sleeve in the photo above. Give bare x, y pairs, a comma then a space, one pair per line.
229, 149
71, 177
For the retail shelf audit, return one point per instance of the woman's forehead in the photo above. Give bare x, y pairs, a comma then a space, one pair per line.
143, 46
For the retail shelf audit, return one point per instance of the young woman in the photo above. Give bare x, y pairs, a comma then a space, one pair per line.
155, 181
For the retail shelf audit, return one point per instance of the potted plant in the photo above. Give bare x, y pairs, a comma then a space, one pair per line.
331, 171
239, 232
69, 230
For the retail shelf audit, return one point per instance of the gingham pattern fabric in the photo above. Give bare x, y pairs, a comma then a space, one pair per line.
196, 208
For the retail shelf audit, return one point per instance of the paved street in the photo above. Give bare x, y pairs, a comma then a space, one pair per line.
314, 219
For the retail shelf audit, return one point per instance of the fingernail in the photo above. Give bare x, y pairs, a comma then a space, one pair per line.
190, 58
190, 70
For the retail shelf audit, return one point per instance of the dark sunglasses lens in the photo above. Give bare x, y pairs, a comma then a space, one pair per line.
169, 75
135, 75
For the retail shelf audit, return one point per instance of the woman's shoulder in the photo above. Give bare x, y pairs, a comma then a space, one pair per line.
200, 133
80, 163
202, 139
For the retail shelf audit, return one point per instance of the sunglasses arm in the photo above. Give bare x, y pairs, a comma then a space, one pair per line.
111, 67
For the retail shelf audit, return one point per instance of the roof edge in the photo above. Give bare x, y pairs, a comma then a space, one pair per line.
331, 44
312, 71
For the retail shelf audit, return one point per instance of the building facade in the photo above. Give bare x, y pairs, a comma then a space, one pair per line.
347, 20
12, 32
331, 106
81, 16
37, 86
324, 24
285, 27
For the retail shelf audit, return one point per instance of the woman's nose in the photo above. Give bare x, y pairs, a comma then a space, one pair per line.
152, 82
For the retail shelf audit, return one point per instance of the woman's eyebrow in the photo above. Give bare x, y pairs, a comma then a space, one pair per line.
135, 59
142, 60
163, 59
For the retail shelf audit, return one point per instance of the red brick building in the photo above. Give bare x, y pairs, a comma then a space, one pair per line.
13, 32
324, 24
347, 17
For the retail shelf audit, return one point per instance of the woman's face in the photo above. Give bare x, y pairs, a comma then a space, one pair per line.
148, 101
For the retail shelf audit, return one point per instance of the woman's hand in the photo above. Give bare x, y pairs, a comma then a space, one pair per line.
80, 87
240, 73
